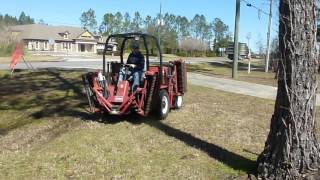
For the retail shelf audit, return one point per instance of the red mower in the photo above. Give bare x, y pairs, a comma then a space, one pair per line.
161, 86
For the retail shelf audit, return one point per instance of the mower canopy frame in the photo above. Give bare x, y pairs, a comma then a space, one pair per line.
127, 36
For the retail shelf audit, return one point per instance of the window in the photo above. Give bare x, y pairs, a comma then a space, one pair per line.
66, 46
65, 36
45, 45
86, 37
37, 45
30, 45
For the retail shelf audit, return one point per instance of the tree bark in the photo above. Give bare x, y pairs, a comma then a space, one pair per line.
291, 150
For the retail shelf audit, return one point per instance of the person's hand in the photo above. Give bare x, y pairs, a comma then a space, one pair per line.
132, 65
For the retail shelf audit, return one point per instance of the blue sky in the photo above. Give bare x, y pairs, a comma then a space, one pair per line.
67, 12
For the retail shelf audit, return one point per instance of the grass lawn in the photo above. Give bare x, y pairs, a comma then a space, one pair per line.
224, 70
33, 58
46, 132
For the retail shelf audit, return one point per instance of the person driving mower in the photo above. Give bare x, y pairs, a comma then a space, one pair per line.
136, 63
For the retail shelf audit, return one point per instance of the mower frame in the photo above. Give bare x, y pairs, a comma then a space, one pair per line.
161, 91
128, 36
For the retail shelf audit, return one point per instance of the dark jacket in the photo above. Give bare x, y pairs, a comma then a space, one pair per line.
137, 59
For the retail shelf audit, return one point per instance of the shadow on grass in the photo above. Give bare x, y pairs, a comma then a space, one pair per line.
40, 94
221, 154
64, 105
54, 94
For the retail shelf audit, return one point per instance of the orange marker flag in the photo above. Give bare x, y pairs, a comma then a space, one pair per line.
16, 56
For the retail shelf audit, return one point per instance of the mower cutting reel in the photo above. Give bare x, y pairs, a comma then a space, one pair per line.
89, 93
161, 89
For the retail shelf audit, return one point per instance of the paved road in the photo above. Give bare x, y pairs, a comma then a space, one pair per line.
239, 87
78, 62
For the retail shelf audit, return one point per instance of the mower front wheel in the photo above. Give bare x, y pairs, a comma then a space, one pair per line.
163, 106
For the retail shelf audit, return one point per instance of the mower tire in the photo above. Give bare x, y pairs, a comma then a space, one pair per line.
178, 101
163, 106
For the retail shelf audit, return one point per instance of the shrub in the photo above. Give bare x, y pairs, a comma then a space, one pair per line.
7, 48
211, 54
182, 53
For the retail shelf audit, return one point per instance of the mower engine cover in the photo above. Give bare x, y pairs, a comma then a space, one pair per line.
122, 92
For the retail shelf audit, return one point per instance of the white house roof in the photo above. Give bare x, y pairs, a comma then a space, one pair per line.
47, 32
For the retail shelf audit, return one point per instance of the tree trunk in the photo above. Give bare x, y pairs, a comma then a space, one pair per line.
291, 150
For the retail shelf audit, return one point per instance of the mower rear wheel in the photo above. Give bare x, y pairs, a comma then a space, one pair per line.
163, 106
178, 101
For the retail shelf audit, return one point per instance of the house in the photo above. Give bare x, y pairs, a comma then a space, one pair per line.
40, 37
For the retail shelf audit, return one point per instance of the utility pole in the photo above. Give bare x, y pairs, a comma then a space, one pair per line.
236, 41
268, 39
249, 52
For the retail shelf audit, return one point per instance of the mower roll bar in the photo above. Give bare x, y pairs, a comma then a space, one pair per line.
127, 36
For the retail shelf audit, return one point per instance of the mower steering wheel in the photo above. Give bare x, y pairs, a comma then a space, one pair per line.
128, 66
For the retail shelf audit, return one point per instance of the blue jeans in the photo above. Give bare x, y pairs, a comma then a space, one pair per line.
136, 78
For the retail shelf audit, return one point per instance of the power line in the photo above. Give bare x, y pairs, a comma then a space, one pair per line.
249, 4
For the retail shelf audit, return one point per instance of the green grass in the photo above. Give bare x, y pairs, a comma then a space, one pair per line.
46, 132
224, 70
